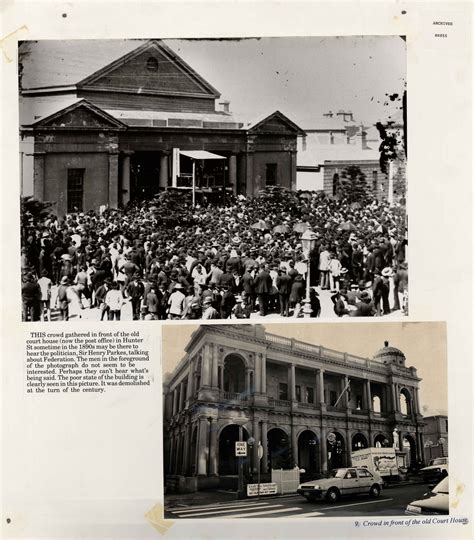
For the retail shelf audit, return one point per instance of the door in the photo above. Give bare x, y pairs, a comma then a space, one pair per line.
350, 483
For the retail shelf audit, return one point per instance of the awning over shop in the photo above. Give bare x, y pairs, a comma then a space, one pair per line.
200, 154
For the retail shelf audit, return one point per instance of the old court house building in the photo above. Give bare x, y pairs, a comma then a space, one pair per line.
305, 404
106, 121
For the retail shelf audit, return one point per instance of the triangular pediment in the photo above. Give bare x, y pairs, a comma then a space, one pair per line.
80, 115
152, 68
276, 122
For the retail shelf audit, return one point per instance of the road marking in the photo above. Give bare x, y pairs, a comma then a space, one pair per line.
356, 504
252, 514
221, 507
224, 504
227, 511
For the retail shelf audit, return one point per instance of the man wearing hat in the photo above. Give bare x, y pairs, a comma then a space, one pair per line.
176, 302
62, 299
208, 312
135, 291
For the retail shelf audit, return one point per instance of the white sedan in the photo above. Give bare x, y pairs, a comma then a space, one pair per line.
341, 482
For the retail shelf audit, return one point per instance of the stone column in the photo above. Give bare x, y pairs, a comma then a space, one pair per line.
416, 401
293, 171
113, 180
38, 176
214, 379
175, 401
233, 173
205, 367
257, 374
345, 388
203, 450
291, 382
324, 452
321, 386
264, 463
125, 184
294, 444
213, 447
163, 180
255, 435
249, 179
221, 382
181, 395
348, 449
248, 388
394, 397
190, 389
185, 467
368, 396
264, 374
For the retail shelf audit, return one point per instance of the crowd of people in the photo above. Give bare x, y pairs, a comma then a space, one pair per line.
171, 260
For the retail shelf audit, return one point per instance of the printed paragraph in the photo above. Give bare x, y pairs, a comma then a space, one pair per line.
72, 362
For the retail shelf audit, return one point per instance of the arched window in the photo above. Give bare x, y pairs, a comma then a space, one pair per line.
376, 404
405, 404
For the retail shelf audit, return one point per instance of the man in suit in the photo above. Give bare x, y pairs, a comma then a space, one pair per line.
263, 288
283, 284
248, 286
135, 291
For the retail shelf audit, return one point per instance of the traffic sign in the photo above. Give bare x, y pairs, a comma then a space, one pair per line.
241, 448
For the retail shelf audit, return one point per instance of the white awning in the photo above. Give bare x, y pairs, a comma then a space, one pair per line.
200, 154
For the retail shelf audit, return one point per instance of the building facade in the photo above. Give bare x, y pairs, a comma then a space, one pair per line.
436, 436
125, 119
307, 405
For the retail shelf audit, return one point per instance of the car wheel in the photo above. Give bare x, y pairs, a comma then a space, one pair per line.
332, 495
374, 491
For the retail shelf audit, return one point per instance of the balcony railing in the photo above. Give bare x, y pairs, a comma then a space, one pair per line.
234, 396
279, 402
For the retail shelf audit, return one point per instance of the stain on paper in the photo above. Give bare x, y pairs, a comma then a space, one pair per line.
155, 517
8, 43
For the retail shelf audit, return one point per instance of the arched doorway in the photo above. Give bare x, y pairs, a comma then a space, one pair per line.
234, 374
409, 446
405, 402
381, 441
279, 455
359, 442
228, 462
336, 450
308, 452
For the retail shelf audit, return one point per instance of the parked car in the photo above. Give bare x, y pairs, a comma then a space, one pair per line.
437, 469
434, 501
342, 482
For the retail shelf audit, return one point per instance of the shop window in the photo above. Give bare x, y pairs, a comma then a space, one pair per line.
75, 190
283, 394
271, 174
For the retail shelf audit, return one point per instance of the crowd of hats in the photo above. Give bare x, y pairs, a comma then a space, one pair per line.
167, 232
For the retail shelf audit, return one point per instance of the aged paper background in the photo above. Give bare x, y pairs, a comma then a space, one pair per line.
92, 468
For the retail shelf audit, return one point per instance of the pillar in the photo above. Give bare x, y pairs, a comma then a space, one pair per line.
190, 388
294, 444
185, 467
255, 435
205, 367
38, 176
113, 180
345, 387
293, 171
249, 180
203, 449
257, 373
175, 401
181, 395
291, 382
416, 401
324, 452
233, 173
214, 376
248, 388
264, 466
264, 374
125, 179
394, 397
221, 382
320, 385
368, 396
213, 447
348, 449
163, 179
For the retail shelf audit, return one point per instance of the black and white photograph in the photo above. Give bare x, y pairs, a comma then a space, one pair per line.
210, 179
305, 420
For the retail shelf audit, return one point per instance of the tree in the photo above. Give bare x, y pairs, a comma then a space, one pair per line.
353, 185
32, 212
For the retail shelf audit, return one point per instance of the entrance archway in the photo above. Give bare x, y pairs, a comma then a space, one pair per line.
336, 450
409, 446
234, 374
405, 402
279, 456
381, 441
228, 462
308, 452
359, 442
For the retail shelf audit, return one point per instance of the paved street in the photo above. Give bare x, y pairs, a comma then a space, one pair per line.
392, 502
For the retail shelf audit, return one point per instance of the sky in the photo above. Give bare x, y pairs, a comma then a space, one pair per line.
423, 343
302, 76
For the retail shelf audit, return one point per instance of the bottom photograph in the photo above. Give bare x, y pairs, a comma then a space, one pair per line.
305, 420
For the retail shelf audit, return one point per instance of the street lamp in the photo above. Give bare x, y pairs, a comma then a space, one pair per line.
441, 441
308, 241
429, 444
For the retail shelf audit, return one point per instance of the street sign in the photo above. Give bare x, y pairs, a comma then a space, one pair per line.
269, 488
241, 449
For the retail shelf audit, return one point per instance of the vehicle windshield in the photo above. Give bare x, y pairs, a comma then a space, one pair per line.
336, 473
443, 486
